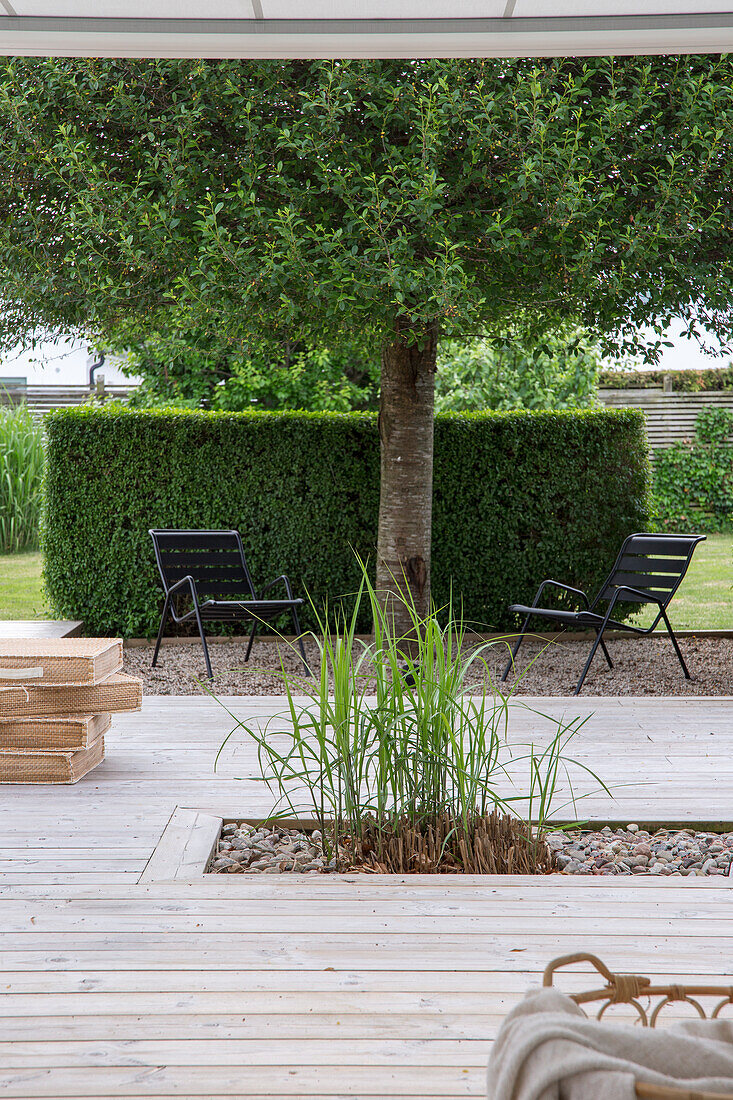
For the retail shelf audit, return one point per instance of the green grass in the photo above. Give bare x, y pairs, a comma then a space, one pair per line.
705, 598
21, 468
20, 587
704, 601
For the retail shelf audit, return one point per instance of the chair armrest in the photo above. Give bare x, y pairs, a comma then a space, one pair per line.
188, 580
277, 580
565, 588
647, 596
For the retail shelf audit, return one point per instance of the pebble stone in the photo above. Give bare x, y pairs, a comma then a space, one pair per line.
641, 667
635, 851
246, 849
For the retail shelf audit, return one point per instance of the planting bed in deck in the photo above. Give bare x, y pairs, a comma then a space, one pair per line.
250, 849
195, 844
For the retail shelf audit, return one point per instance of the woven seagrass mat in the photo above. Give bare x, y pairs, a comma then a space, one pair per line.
63, 660
77, 731
117, 693
49, 767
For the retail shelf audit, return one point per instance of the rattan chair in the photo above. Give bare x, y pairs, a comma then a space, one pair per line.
629, 989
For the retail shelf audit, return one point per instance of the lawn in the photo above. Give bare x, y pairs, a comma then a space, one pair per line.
20, 587
705, 598
704, 602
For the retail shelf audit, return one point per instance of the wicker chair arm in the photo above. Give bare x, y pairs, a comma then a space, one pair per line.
669, 1092
626, 989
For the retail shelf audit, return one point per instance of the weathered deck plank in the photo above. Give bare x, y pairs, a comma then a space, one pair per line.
309, 986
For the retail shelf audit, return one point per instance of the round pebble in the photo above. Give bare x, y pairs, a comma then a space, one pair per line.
634, 851
270, 850
629, 851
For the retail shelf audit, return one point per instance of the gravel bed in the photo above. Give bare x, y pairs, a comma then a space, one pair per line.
647, 666
247, 849
634, 851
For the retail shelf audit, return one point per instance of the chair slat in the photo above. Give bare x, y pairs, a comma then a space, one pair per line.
212, 557
609, 591
241, 612
206, 588
644, 580
676, 546
207, 575
196, 540
212, 615
632, 562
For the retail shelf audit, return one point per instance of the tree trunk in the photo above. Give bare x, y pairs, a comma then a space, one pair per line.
406, 493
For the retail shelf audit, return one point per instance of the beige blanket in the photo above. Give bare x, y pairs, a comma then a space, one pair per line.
547, 1049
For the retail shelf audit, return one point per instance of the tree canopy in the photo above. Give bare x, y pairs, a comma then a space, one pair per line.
261, 199
395, 202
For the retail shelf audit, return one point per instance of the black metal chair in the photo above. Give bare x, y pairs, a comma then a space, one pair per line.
208, 565
648, 569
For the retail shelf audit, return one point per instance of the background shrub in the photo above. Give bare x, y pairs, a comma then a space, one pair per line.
517, 496
557, 372
21, 470
692, 483
683, 381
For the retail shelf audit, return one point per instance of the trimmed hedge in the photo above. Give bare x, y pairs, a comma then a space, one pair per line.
518, 496
692, 483
713, 379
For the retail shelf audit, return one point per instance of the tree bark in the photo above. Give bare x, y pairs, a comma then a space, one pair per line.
406, 410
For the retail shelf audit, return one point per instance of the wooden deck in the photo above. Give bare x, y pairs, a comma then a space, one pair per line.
317, 987
39, 628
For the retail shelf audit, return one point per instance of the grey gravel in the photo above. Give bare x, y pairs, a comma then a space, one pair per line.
244, 849
642, 667
633, 851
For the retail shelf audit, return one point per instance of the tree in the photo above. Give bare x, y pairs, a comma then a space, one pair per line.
398, 201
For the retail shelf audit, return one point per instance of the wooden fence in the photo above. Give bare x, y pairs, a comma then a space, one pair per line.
670, 417
42, 399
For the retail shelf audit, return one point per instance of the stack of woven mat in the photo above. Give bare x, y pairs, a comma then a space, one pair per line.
56, 701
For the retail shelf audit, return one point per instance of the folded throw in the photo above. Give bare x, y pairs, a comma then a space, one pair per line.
547, 1049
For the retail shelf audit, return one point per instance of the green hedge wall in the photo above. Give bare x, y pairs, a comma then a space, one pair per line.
518, 496
683, 381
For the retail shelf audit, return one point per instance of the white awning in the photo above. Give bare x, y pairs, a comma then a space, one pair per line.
363, 28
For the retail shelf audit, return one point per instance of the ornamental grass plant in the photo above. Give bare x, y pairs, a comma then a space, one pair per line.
403, 768
21, 470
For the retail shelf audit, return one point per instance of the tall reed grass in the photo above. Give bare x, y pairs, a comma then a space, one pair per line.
21, 471
389, 748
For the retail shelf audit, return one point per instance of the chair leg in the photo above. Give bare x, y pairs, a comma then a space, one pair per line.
209, 673
515, 649
301, 647
677, 649
598, 642
252, 633
159, 639
609, 662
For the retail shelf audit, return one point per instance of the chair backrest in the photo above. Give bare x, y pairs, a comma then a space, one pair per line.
655, 564
215, 560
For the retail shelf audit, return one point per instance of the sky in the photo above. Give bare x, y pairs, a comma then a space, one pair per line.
65, 363
685, 354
